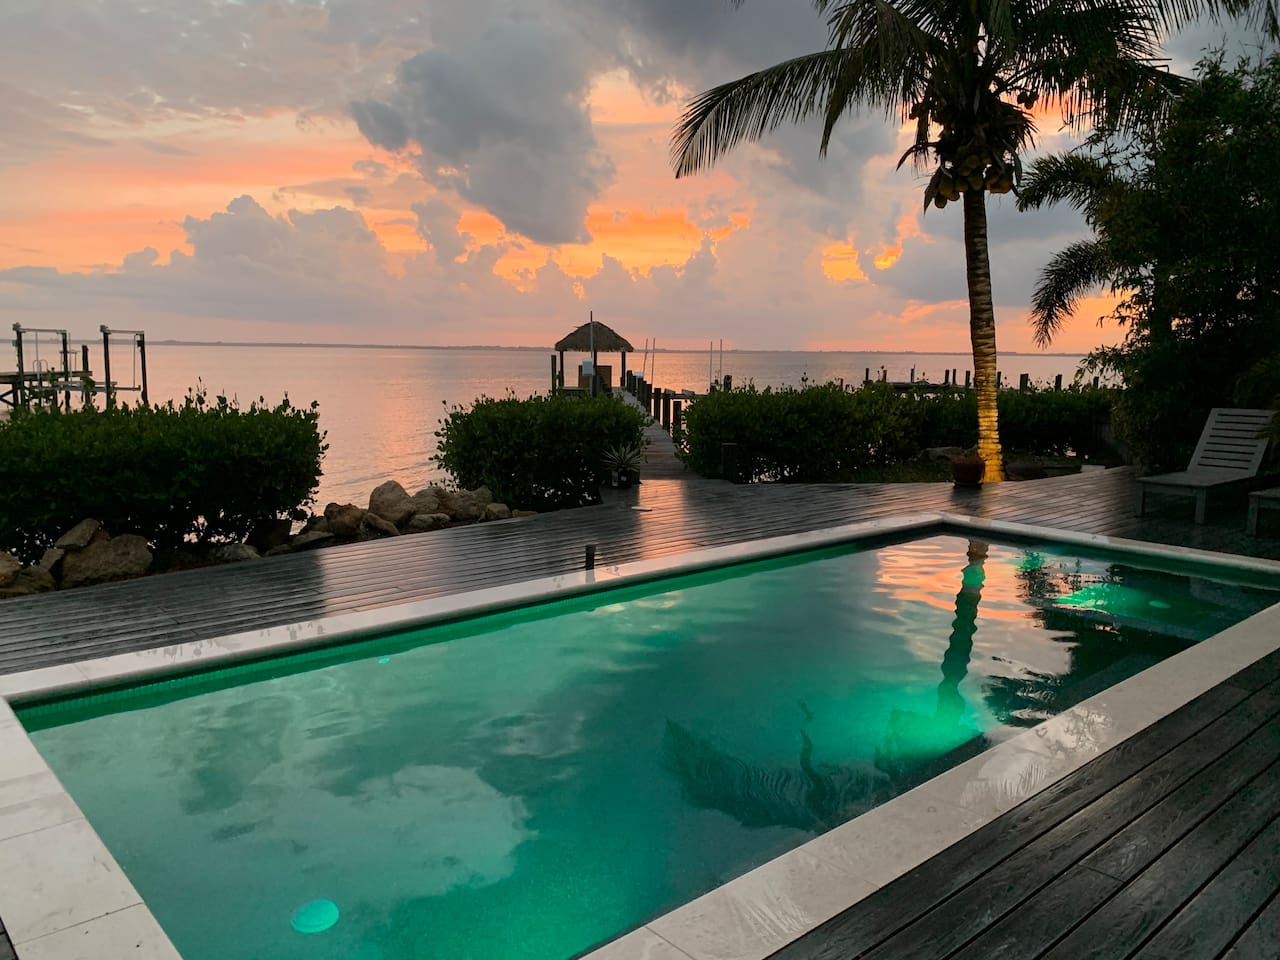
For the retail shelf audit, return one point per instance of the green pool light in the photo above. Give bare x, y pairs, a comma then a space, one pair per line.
1159, 604
384, 659
317, 916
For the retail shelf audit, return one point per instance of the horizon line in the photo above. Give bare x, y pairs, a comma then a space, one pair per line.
278, 344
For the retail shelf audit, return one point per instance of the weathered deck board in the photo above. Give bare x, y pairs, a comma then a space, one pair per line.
680, 514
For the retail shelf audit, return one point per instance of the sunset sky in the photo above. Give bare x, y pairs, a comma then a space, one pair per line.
466, 171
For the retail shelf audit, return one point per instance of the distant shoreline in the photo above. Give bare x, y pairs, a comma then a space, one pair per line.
482, 346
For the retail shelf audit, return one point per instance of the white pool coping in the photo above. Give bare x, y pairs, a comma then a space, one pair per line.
63, 896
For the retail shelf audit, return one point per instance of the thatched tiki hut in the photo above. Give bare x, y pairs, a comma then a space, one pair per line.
594, 338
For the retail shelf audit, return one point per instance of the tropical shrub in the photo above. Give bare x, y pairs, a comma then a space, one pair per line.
825, 434
540, 453
172, 472
819, 433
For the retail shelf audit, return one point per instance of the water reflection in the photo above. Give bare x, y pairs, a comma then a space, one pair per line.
814, 796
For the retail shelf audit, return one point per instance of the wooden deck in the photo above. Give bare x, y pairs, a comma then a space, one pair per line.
675, 515
1164, 848
1167, 846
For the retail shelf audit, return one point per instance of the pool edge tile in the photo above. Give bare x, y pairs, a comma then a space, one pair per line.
131, 933
640, 944
754, 915
59, 877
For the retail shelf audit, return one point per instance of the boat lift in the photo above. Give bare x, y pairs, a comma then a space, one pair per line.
139, 363
43, 382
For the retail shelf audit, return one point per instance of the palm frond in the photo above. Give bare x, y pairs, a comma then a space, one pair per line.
1070, 178
716, 121
1073, 272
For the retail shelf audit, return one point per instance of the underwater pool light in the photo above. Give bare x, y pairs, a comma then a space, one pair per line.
316, 916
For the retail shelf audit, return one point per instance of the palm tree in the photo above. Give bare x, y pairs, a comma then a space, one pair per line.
968, 73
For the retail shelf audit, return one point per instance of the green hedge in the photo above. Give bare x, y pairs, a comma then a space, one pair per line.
819, 433
541, 453
824, 433
170, 472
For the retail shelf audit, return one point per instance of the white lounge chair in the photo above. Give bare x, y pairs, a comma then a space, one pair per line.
1230, 451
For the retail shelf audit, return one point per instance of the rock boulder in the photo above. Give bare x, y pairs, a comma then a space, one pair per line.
497, 511
30, 581
80, 536
524, 513
373, 526
424, 522
9, 569
51, 561
116, 559
233, 553
392, 503
309, 540
344, 519
427, 501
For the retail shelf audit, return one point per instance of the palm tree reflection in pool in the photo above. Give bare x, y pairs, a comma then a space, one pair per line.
816, 797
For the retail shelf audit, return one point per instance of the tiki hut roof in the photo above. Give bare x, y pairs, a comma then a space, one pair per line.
607, 340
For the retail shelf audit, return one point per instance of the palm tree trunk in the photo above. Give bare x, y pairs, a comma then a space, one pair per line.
982, 332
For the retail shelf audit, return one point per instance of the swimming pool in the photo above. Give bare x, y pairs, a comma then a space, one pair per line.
530, 783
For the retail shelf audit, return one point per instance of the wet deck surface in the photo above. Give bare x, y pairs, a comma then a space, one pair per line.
1167, 846
678, 514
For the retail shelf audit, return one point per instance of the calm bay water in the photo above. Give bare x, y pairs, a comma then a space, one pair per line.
381, 406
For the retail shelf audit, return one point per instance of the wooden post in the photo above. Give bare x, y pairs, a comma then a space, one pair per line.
595, 372
66, 374
999, 377
677, 408
954, 381
666, 410
946, 378
87, 394
561, 369
867, 377
968, 379
1057, 382
1024, 382
622, 376
142, 364
912, 378
19, 388
106, 365
553, 374
727, 380
657, 403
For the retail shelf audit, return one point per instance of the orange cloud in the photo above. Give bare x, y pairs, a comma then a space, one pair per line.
840, 263
908, 228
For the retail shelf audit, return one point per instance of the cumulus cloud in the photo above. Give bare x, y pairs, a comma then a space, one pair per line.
500, 117
488, 105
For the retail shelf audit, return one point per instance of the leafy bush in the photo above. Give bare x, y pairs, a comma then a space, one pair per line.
812, 434
170, 472
540, 453
823, 433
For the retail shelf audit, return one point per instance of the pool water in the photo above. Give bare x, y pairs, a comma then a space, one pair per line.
529, 784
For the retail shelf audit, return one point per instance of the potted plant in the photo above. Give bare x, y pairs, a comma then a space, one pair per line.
623, 463
967, 469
